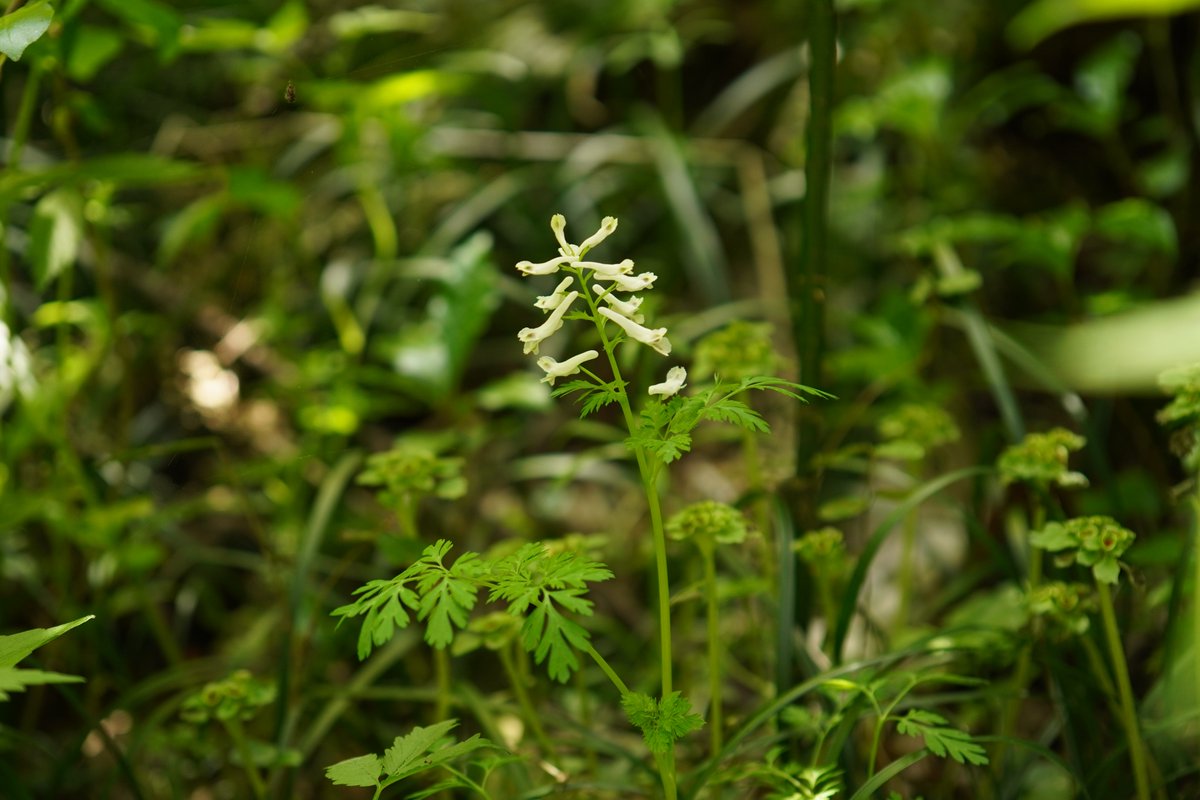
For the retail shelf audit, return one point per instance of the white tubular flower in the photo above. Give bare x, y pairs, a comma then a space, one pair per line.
545, 268
561, 369
532, 337
628, 308
550, 302
656, 338
558, 223
607, 272
674, 382
634, 283
606, 228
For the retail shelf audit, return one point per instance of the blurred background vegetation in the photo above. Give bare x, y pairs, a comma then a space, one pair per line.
247, 243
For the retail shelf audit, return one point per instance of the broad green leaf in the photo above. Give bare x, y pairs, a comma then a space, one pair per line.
407, 751
360, 771
23, 27
1044, 18
55, 234
17, 646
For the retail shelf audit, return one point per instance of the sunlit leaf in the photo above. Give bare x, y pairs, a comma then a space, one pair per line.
23, 27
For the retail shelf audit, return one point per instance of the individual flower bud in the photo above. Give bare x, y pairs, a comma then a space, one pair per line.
551, 301
544, 268
532, 337
644, 335
558, 223
606, 228
634, 283
674, 382
607, 272
561, 369
627, 308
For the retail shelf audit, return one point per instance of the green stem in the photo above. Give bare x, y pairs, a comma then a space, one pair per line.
607, 669
522, 694
1137, 752
238, 734
649, 485
445, 697
714, 645
1021, 677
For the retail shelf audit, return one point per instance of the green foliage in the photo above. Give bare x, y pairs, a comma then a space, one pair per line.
443, 596
15, 647
421, 750
739, 350
662, 722
941, 739
1062, 607
1041, 459
239, 698
708, 522
23, 27
665, 429
824, 549
916, 428
592, 397
1097, 542
410, 470
538, 586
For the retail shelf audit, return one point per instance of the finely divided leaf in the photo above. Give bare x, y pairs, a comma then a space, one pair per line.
940, 738
737, 413
662, 722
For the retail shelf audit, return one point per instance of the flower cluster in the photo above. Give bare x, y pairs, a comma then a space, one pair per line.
706, 522
1063, 607
914, 429
599, 284
824, 547
238, 697
1041, 459
1183, 413
1097, 542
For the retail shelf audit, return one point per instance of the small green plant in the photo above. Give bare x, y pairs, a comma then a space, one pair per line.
421, 750
547, 591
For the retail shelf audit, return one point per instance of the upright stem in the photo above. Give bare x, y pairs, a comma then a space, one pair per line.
714, 646
1137, 752
522, 695
806, 300
1008, 719
666, 763
441, 666
238, 734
